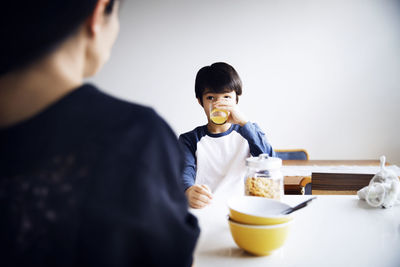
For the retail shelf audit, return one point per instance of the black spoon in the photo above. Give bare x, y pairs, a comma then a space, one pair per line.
297, 207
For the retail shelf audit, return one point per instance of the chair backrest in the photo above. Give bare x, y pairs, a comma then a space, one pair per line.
338, 183
291, 154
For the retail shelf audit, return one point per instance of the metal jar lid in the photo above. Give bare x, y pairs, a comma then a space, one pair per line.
263, 161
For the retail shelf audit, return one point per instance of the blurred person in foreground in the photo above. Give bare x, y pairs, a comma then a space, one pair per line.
85, 179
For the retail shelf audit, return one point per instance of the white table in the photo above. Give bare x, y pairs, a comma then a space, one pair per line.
331, 231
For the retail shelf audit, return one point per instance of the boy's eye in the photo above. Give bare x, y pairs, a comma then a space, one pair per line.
227, 96
210, 97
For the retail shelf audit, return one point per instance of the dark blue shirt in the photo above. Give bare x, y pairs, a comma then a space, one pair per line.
93, 181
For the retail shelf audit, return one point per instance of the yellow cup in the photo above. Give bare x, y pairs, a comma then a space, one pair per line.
219, 116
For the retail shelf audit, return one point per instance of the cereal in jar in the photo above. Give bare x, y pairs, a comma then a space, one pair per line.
263, 177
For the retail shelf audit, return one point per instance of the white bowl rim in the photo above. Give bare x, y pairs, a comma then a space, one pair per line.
274, 216
260, 226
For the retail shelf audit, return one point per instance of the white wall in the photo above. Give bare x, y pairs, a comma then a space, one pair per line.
320, 75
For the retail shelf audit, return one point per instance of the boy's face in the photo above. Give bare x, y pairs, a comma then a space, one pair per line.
210, 97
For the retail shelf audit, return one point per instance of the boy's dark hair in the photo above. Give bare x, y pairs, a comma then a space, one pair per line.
220, 77
30, 29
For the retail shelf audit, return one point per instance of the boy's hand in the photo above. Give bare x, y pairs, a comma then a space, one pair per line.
198, 196
235, 115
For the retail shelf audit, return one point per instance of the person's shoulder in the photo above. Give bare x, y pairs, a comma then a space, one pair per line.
118, 110
196, 133
109, 103
114, 117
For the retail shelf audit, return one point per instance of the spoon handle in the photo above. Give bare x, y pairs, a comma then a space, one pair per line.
299, 206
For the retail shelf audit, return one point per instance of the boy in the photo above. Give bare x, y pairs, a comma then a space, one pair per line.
215, 154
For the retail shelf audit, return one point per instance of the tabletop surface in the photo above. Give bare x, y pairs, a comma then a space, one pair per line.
332, 231
331, 162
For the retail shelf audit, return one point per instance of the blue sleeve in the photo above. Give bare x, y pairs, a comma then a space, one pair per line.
256, 138
188, 146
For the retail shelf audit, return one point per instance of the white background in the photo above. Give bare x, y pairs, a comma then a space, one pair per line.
319, 75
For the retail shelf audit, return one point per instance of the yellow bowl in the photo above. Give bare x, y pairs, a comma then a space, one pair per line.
257, 210
260, 240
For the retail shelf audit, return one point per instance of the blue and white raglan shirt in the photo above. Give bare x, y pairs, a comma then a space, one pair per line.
219, 160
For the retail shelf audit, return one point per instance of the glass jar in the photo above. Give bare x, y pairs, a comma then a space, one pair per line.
263, 177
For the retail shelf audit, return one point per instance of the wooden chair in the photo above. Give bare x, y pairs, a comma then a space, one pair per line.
338, 183
294, 188
297, 185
